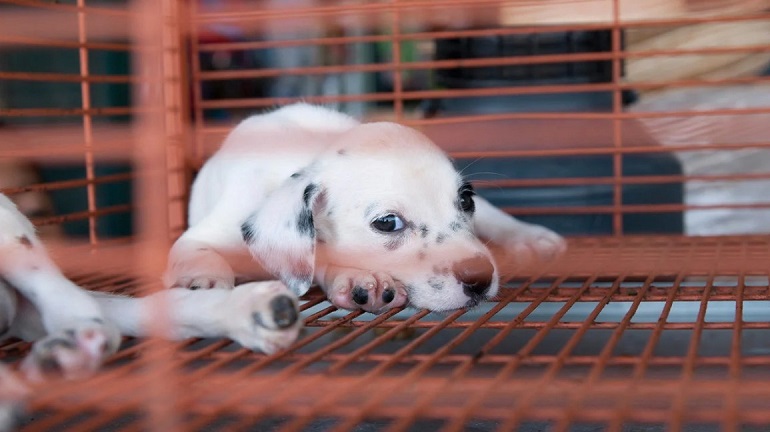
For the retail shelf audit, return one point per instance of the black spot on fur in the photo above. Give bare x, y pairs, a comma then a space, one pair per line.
436, 284
25, 241
342, 152
440, 238
310, 190
455, 226
297, 174
98, 321
247, 232
423, 230
305, 224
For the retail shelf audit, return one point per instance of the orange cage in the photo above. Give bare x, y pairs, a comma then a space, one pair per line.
638, 128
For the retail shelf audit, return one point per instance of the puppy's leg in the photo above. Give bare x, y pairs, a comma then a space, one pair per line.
79, 337
520, 244
13, 392
12, 389
196, 259
351, 289
261, 316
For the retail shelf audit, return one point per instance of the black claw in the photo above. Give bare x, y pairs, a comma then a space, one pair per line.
284, 311
195, 287
360, 296
388, 295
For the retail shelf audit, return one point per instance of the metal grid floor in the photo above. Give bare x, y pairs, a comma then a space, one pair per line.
631, 334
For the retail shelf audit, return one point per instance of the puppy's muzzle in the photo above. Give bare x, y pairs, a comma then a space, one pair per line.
475, 275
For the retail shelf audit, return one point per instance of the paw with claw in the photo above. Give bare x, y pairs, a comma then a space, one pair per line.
351, 289
72, 353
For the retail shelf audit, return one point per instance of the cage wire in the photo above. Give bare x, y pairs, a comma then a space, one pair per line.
639, 129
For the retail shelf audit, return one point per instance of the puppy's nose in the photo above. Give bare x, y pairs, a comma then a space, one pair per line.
475, 274
284, 311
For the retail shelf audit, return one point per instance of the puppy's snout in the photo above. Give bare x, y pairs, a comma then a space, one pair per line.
284, 311
475, 275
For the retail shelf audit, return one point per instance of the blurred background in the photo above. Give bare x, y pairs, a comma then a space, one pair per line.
660, 131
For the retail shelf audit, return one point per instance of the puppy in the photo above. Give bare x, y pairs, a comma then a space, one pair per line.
373, 213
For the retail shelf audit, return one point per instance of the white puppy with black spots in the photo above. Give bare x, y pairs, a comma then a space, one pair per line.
75, 330
374, 213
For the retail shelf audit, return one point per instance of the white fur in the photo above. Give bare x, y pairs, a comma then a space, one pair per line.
349, 173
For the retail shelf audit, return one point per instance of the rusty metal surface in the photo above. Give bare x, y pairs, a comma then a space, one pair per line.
611, 348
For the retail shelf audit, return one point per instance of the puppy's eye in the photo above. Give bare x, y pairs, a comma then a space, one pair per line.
388, 223
465, 200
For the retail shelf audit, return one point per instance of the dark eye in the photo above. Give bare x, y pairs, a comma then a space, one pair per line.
466, 198
388, 223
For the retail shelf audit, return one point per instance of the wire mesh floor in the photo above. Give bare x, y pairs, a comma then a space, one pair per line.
631, 334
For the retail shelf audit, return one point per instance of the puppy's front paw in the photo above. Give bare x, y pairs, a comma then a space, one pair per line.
200, 271
374, 292
72, 353
263, 316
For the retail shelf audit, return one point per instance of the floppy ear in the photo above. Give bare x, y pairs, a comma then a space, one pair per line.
281, 234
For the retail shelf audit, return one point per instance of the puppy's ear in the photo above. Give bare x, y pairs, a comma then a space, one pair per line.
281, 234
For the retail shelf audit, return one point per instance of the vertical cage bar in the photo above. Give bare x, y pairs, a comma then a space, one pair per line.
197, 91
85, 94
730, 421
176, 111
398, 101
155, 126
679, 408
617, 122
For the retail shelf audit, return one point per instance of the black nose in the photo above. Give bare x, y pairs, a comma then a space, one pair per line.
475, 274
284, 311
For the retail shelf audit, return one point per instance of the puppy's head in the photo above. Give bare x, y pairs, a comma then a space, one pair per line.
384, 198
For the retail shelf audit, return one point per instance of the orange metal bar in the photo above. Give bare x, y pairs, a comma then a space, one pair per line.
471, 63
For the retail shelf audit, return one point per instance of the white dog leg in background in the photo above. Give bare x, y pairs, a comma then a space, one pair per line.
261, 316
13, 391
521, 244
77, 336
